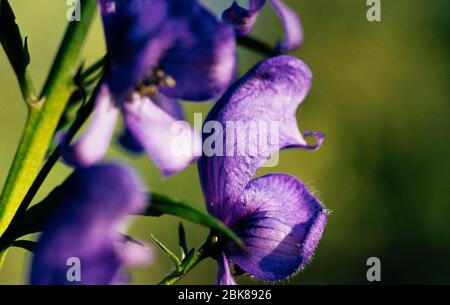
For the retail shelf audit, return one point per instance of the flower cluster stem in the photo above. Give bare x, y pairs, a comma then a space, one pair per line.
43, 117
190, 261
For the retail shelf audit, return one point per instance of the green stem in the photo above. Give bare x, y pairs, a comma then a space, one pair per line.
44, 116
22, 223
82, 116
257, 46
95, 67
191, 260
27, 89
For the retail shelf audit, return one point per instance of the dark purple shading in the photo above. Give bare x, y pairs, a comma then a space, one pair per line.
90, 206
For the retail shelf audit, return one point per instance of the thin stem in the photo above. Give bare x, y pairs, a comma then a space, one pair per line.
25, 244
22, 225
83, 115
44, 117
32, 220
95, 67
190, 261
257, 46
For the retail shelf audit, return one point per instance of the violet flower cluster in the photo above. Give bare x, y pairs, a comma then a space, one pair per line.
275, 215
161, 52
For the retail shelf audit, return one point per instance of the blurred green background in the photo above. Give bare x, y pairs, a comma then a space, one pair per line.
381, 95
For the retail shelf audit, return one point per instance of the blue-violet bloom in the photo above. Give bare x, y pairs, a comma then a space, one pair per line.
243, 20
275, 215
89, 209
158, 51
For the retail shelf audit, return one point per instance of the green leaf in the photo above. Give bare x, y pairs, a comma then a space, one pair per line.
161, 204
257, 46
16, 50
36, 217
95, 69
191, 258
169, 253
11, 38
2, 253
182, 240
25, 244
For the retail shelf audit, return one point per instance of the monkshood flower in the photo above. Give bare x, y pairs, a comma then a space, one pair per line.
90, 206
275, 215
243, 20
158, 51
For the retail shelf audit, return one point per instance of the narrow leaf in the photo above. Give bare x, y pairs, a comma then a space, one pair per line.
16, 50
182, 240
161, 204
169, 253
25, 244
35, 217
190, 257
11, 39
2, 253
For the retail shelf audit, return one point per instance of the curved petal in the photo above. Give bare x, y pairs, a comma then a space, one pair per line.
224, 276
89, 206
127, 141
268, 96
281, 224
92, 146
202, 59
293, 29
172, 144
178, 36
130, 27
169, 105
241, 18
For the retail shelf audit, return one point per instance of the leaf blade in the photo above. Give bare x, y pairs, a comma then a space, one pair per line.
16, 49
175, 260
161, 204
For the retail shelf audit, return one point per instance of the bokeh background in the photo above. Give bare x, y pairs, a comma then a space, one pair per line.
381, 95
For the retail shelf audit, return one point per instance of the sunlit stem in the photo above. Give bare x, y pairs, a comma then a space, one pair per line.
43, 117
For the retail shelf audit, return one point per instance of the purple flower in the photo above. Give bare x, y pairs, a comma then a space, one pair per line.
158, 51
243, 20
275, 215
89, 207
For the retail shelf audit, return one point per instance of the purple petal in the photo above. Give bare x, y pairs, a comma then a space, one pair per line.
178, 36
130, 27
202, 59
224, 276
243, 19
172, 144
169, 105
281, 224
89, 207
128, 141
293, 29
92, 146
268, 94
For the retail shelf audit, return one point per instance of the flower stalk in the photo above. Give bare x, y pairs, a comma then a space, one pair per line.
43, 117
193, 258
